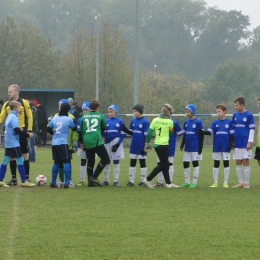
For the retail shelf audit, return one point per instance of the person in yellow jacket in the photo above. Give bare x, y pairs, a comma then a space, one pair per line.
25, 119
72, 143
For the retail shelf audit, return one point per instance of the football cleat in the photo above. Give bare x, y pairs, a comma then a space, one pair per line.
193, 185
2, 184
239, 185
185, 185
105, 183
54, 185
147, 183
12, 183
225, 185
27, 184
130, 184
172, 185
81, 183
158, 184
215, 185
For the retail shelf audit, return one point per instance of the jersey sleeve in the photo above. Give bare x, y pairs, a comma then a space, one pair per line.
251, 122
3, 114
146, 127
177, 129
28, 112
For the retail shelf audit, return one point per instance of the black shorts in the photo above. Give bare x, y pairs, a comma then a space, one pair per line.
257, 153
60, 152
14, 152
24, 145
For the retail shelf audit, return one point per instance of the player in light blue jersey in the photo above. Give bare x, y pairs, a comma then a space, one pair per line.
193, 146
244, 130
223, 138
59, 129
177, 131
12, 145
139, 125
114, 135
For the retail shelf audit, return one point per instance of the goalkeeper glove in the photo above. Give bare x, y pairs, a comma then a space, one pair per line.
114, 148
148, 147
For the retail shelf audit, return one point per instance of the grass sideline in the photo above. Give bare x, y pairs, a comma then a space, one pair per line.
131, 222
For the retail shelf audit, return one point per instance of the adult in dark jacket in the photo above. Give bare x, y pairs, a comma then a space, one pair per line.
76, 110
42, 123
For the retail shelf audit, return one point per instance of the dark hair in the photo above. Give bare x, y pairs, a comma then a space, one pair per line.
94, 104
222, 107
240, 100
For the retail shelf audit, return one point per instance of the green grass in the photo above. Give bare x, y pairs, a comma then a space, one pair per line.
131, 222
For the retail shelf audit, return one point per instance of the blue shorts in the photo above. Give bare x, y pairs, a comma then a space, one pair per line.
14, 152
60, 152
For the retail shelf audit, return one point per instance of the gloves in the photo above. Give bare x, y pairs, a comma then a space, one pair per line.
74, 149
148, 147
114, 148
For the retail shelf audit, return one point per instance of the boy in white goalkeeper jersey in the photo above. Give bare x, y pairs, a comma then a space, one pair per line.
244, 130
223, 138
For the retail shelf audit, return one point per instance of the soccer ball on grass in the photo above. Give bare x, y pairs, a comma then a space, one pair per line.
41, 180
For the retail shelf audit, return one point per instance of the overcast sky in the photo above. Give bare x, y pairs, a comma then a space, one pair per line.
248, 7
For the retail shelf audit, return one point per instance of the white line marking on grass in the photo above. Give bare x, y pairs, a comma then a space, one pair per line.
10, 240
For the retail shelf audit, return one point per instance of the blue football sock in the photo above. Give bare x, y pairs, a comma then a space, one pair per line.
55, 169
2, 172
67, 171
22, 172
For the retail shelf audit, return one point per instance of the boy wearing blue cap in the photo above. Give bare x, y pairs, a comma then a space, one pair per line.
139, 125
193, 142
114, 135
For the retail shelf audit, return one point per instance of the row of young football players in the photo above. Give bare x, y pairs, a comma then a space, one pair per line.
237, 134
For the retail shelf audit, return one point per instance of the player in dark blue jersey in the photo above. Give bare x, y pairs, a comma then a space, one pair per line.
139, 125
193, 143
59, 128
81, 151
244, 130
177, 131
223, 137
114, 135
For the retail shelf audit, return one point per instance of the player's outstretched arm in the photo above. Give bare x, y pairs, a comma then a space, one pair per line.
183, 142
50, 130
126, 130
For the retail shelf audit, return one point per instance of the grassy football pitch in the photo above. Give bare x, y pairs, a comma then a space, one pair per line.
131, 222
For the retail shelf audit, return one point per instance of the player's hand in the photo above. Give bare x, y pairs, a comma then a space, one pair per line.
249, 146
30, 134
148, 147
181, 148
114, 148
82, 146
74, 149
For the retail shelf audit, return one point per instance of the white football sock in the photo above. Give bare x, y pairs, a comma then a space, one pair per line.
106, 172
187, 175
247, 174
116, 172
226, 174
143, 173
171, 168
82, 171
215, 174
240, 176
196, 172
132, 171
160, 177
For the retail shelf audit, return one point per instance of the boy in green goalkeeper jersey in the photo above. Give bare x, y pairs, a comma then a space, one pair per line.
163, 127
257, 149
92, 125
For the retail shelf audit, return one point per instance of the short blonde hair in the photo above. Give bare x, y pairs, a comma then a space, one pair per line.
13, 104
168, 107
15, 86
